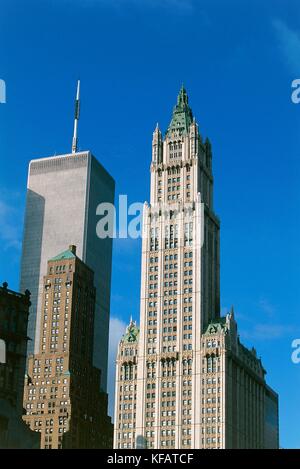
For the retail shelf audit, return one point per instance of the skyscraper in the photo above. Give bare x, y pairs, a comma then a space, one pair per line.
63, 193
62, 394
170, 389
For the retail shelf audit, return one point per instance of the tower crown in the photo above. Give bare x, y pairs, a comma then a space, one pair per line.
182, 114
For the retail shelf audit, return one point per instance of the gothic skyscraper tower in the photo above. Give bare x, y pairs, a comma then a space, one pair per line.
63, 193
174, 378
181, 178
180, 277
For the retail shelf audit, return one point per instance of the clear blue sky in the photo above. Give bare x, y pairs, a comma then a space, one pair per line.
237, 60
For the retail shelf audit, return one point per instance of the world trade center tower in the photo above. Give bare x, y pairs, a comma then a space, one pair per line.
63, 193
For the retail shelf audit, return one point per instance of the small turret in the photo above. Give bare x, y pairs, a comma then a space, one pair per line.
157, 145
132, 332
194, 139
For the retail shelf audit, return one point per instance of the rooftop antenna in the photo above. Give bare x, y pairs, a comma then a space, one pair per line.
76, 118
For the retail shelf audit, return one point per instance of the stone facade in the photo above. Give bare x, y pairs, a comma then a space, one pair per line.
180, 298
62, 394
126, 388
234, 393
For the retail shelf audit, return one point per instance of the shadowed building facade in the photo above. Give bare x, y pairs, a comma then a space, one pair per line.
14, 310
62, 395
182, 392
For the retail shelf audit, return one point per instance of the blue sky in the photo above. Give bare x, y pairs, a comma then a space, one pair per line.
237, 60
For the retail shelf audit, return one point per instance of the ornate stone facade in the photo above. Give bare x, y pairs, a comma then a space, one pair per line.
62, 394
183, 391
126, 387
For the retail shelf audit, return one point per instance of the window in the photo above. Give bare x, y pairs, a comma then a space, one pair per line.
2, 351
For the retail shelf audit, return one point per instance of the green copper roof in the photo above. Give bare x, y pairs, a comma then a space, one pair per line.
68, 254
182, 114
216, 326
132, 333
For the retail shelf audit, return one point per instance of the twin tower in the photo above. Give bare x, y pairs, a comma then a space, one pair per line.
183, 378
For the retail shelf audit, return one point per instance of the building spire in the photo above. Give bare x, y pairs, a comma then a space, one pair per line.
182, 98
76, 118
182, 114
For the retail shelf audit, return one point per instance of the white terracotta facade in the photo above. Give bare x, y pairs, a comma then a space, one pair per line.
180, 298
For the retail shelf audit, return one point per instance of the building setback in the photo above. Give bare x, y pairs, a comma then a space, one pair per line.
63, 193
14, 310
239, 410
183, 379
62, 396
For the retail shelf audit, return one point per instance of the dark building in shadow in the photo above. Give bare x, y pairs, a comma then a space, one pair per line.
14, 310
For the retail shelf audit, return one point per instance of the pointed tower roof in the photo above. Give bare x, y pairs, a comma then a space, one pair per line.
132, 332
68, 254
182, 114
157, 130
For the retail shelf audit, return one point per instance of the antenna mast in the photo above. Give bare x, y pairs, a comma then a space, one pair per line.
76, 118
